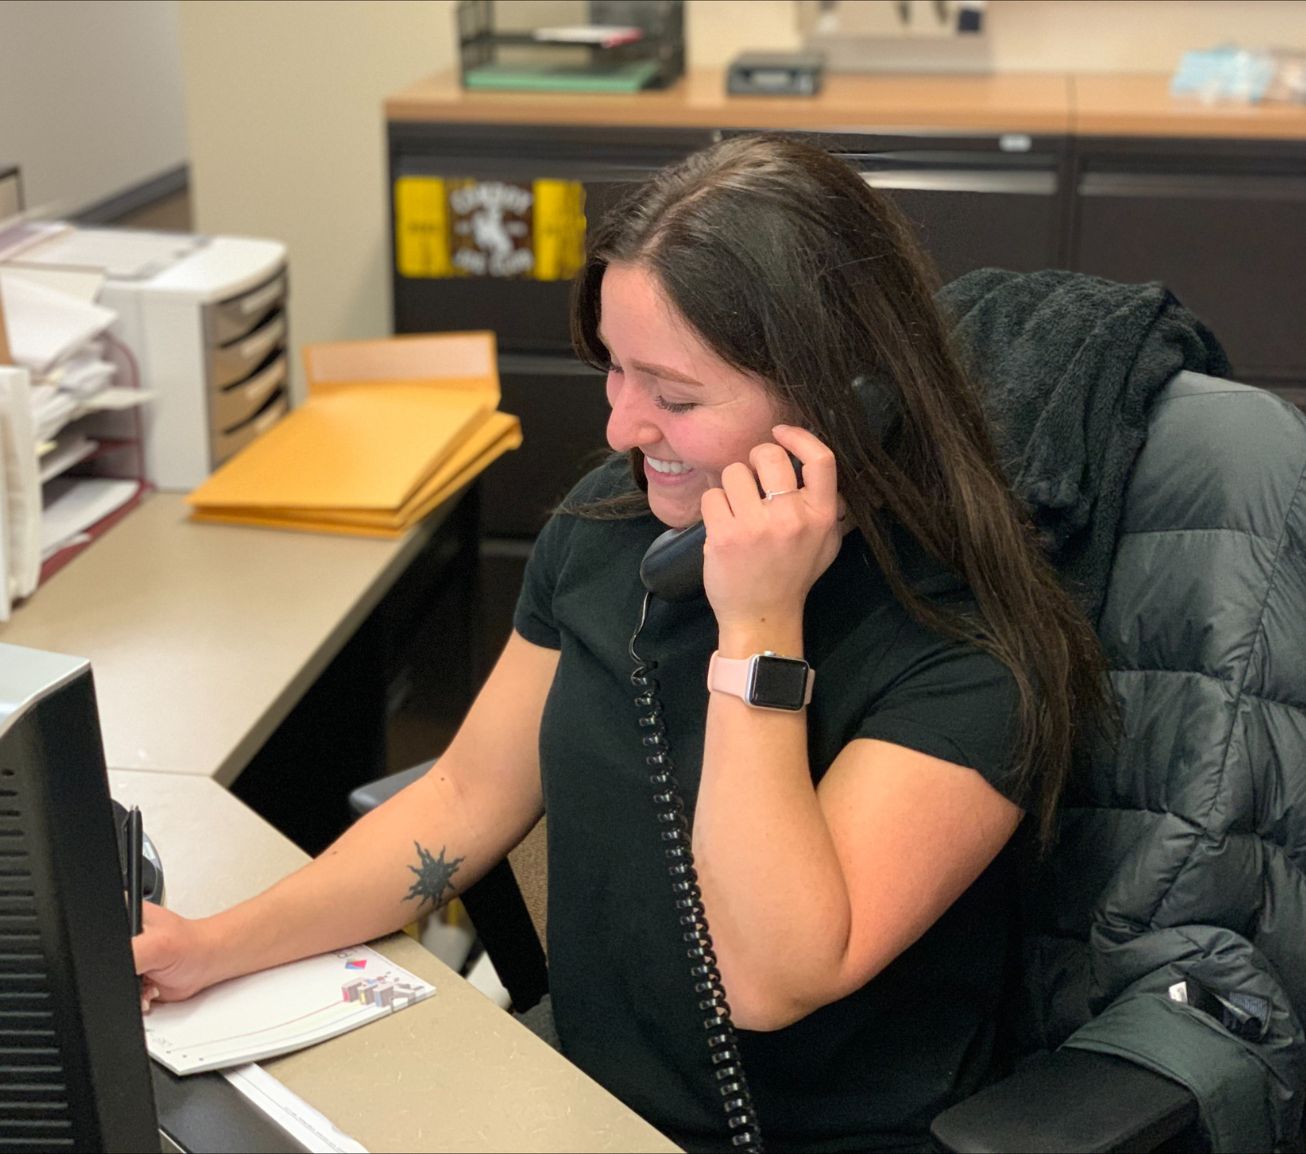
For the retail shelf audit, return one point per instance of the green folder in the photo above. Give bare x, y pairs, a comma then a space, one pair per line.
630, 76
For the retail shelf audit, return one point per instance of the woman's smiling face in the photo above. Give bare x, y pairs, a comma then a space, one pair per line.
673, 398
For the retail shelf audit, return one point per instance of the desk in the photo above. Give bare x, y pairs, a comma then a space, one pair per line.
452, 1073
203, 638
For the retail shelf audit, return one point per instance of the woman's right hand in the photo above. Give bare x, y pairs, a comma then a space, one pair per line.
175, 957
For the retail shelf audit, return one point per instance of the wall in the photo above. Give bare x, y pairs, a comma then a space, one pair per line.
90, 97
1021, 35
1138, 36
288, 139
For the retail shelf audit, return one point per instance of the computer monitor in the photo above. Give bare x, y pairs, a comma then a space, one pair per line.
74, 1074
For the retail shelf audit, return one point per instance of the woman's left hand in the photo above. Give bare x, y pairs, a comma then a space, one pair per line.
763, 554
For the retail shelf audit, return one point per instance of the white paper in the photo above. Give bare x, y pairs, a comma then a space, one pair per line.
307, 1126
123, 253
46, 325
51, 411
82, 283
276, 1011
607, 35
6, 603
74, 505
22, 485
25, 234
82, 374
116, 397
66, 453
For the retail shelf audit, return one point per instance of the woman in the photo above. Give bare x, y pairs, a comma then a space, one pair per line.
848, 851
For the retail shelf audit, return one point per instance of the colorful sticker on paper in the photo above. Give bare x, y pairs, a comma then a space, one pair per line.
489, 228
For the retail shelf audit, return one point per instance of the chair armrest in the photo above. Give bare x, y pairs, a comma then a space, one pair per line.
1069, 1100
367, 797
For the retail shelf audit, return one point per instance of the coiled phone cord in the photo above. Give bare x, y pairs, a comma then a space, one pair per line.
722, 1043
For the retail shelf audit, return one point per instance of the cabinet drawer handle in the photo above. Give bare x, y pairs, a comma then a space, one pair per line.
962, 180
257, 301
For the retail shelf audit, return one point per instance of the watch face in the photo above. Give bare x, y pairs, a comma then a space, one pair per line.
778, 682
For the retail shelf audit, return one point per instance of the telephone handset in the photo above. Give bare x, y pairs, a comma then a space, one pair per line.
672, 569
673, 566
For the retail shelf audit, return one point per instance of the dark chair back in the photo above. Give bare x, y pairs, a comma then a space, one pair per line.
1183, 851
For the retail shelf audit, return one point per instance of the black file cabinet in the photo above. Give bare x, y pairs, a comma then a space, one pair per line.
1222, 223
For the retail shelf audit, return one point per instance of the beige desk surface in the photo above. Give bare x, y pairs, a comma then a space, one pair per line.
1093, 104
202, 638
452, 1073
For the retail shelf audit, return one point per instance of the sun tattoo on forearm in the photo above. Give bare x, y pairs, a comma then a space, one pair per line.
434, 876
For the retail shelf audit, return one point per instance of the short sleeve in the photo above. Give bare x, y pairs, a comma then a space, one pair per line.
957, 703
534, 617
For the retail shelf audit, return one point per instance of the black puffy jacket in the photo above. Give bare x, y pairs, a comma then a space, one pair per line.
1185, 855
1173, 504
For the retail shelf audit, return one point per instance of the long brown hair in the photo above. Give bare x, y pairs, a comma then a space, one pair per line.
791, 269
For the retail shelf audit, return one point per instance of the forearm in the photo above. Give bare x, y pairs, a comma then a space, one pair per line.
406, 858
772, 883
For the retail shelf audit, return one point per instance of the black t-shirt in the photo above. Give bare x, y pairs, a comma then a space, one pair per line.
870, 1070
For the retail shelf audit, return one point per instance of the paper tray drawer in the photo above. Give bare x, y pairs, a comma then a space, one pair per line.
237, 403
234, 362
228, 444
232, 319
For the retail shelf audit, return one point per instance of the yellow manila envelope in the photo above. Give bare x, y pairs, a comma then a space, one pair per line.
499, 434
365, 443
453, 360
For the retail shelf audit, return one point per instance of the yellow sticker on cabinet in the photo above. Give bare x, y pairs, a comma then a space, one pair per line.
489, 228
559, 229
421, 227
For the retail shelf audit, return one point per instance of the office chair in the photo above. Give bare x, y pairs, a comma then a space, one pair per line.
1176, 863
1206, 598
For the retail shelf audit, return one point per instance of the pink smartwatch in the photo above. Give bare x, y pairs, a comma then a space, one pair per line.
765, 681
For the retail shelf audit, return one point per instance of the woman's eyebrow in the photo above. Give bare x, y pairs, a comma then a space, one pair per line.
653, 370
665, 373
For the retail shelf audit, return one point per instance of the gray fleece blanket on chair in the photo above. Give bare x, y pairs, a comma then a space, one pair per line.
1069, 365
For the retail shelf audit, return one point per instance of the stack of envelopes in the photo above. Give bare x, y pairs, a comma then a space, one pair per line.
390, 430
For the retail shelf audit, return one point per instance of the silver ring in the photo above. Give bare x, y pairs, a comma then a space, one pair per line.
772, 494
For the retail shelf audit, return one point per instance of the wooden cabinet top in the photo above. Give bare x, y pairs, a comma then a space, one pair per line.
1046, 103
1141, 105
1030, 103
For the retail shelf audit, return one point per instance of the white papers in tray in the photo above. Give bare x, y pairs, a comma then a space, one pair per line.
68, 451
116, 397
607, 35
20, 490
51, 409
279, 1010
73, 505
45, 324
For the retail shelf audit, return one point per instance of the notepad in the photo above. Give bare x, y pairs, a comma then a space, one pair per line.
279, 1010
